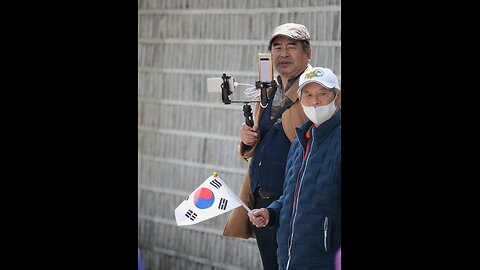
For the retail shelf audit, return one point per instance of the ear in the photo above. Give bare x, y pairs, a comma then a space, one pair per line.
338, 101
309, 53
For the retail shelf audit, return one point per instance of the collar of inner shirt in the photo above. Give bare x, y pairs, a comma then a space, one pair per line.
289, 84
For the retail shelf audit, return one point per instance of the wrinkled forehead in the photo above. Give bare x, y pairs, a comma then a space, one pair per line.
281, 39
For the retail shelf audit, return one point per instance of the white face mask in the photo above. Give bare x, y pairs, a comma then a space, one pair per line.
320, 114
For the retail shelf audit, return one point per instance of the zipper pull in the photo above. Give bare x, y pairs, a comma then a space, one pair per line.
325, 233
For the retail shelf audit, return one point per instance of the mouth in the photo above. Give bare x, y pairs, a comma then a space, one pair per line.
284, 63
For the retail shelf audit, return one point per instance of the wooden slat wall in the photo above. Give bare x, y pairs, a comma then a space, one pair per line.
185, 133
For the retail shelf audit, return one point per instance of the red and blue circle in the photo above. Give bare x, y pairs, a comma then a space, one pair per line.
203, 198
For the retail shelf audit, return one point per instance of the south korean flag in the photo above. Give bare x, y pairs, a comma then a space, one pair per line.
212, 198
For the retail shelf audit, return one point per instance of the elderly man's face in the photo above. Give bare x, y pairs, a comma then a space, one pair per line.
288, 56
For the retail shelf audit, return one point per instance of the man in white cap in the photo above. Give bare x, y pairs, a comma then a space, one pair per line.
266, 144
308, 212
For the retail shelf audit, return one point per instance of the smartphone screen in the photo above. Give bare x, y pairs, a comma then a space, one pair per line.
265, 67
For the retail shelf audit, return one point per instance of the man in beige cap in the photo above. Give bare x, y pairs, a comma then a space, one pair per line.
266, 144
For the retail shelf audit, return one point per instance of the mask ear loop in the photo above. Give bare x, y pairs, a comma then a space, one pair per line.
334, 90
337, 91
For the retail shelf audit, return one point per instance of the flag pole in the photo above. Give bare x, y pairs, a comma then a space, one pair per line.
245, 206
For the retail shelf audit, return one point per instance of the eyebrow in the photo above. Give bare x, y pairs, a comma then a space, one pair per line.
288, 43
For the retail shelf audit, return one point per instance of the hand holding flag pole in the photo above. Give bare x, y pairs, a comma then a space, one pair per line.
212, 198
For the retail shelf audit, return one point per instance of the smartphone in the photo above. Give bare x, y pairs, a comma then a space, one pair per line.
215, 84
265, 67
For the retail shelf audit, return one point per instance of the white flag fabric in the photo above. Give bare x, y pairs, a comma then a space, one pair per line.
212, 198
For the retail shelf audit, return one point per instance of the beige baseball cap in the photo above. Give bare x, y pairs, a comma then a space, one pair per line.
292, 30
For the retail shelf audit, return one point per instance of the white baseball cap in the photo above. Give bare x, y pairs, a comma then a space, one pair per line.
323, 76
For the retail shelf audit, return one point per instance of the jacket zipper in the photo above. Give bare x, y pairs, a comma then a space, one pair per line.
296, 195
325, 233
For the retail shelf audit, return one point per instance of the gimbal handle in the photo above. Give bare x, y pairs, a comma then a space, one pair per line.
247, 112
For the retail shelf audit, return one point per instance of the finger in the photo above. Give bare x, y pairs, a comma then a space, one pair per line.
256, 214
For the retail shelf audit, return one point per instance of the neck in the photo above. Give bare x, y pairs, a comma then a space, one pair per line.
286, 80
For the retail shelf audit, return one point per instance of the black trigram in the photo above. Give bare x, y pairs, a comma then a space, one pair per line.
191, 215
223, 204
215, 183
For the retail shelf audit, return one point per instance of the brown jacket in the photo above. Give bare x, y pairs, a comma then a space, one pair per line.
238, 224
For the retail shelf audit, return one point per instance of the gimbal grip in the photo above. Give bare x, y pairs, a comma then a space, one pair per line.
247, 112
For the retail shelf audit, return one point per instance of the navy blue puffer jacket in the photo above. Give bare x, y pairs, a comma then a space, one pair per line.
308, 212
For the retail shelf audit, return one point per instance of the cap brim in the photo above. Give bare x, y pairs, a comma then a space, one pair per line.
285, 35
326, 85
277, 35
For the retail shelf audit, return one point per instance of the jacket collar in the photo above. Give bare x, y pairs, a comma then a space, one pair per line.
292, 85
321, 131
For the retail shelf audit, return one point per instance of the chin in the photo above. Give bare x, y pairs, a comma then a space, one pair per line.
284, 71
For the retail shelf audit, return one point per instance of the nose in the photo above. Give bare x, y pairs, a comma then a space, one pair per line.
283, 52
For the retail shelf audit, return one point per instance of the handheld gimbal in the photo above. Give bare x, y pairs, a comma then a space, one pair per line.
247, 109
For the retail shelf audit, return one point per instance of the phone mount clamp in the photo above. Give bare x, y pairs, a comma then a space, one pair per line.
247, 109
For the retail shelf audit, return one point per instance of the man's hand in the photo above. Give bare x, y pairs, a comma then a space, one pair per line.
248, 135
259, 217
